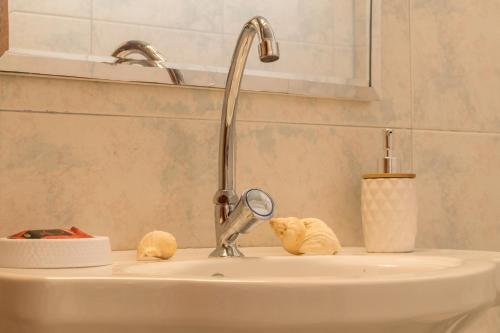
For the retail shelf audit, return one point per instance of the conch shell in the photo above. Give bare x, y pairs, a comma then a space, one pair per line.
308, 235
156, 244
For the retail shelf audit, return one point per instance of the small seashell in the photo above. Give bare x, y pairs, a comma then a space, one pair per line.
320, 238
156, 244
291, 231
308, 235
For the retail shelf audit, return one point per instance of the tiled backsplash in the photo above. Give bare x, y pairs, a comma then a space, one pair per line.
317, 37
123, 159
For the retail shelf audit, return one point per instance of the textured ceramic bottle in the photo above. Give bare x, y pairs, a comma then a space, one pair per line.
389, 207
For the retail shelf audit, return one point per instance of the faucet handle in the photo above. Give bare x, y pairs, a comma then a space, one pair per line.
254, 206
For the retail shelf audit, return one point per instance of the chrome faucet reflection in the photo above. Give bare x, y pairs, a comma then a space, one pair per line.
153, 58
233, 215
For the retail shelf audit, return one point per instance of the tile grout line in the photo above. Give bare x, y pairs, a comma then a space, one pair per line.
362, 126
90, 114
72, 17
193, 119
454, 131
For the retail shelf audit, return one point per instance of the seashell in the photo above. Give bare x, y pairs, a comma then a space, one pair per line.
291, 231
156, 244
308, 235
320, 238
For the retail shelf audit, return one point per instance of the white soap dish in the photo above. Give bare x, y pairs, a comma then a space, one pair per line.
55, 253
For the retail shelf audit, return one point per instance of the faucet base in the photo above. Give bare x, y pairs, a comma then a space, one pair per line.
227, 251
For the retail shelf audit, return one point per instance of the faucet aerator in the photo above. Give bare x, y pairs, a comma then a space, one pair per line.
269, 50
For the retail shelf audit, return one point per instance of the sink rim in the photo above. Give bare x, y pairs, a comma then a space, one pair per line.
460, 268
340, 302
122, 259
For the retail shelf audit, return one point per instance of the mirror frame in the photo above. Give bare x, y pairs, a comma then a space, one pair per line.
103, 69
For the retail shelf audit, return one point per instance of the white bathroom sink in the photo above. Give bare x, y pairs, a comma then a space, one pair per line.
348, 269
267, 292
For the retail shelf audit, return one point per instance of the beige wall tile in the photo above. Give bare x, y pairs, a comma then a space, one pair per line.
297, 58
89, 171
362, 12
107, 36
455, 64
302, 21
343, 15
458, 189
75, 8
312, 171
116, 176
49, 33
88, 97
361, 64
199, 15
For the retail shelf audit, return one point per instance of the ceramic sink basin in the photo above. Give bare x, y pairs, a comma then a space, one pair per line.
346, 269
268, 291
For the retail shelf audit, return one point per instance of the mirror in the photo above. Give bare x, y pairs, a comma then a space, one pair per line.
327, 47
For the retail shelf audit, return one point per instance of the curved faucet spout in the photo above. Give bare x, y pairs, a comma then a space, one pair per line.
137, 47
154, 58
227, 224
268, 52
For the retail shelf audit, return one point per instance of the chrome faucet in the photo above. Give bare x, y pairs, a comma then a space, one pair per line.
153, 58
233, 215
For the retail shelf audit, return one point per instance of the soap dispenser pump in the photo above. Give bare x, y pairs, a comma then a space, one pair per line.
389, 205
390, 162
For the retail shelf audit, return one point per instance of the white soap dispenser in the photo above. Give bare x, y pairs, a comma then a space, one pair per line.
389, 206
